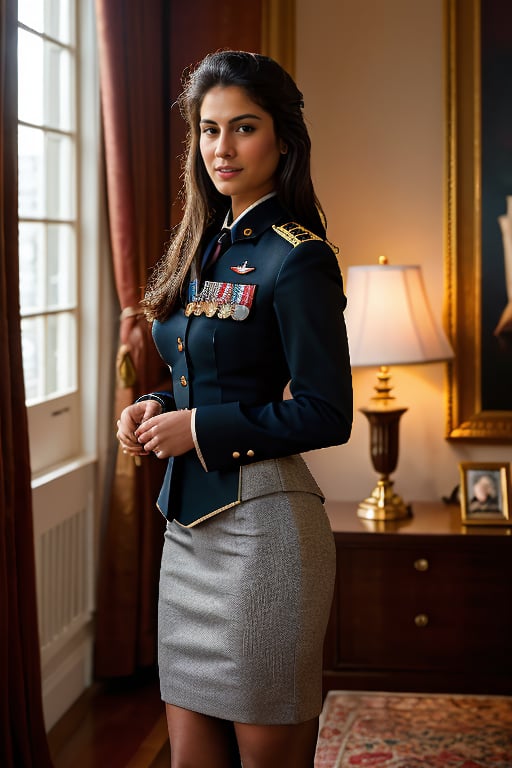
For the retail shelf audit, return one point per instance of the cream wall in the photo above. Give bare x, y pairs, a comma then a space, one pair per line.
372, 76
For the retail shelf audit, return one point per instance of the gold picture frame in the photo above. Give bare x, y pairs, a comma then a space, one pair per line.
484, 493
278, 32
466, 418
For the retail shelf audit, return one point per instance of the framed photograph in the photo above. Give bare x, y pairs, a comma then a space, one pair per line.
484, 493
478, 219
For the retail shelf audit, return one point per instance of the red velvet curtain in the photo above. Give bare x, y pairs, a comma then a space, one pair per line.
143, 48
22, 734
135, 108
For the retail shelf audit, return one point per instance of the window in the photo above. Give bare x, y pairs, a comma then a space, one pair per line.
65, 321
51, 59
47, 197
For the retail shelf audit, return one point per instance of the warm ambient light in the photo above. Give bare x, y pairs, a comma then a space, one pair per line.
389, 322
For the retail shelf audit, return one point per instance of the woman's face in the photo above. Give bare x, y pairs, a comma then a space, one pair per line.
238, 145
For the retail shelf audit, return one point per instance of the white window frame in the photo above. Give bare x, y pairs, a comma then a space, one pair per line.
63, 428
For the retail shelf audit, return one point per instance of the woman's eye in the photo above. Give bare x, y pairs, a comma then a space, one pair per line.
209, 130
245, 128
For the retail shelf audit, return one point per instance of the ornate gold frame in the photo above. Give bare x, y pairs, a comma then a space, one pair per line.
465, 418
278, 32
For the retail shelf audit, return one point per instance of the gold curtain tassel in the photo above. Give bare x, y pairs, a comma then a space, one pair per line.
126, 373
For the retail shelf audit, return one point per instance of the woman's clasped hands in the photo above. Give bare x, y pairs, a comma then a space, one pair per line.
142, 429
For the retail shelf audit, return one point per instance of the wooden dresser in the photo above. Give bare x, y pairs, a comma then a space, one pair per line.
424, 605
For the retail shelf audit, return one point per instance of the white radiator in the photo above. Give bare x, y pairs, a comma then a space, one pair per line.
62, 578
64, 554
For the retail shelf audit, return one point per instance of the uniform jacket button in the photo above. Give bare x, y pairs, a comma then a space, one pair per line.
250, 453
236, 454
247, 232
179, 344
183, 381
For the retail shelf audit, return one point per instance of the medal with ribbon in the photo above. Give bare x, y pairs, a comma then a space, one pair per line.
223, 300
243, 296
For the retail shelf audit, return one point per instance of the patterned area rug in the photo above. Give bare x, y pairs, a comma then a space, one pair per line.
404, 730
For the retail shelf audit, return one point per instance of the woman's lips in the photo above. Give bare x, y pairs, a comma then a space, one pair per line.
227, 172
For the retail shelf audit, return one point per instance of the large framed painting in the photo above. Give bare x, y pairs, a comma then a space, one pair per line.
479, 218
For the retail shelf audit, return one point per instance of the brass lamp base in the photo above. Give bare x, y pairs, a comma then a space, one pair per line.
383, 503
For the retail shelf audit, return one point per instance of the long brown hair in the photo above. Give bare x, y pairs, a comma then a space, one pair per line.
269, 86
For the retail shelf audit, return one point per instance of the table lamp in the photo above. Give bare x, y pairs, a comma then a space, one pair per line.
389, 322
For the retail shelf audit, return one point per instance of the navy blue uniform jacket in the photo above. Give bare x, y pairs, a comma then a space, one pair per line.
234, 372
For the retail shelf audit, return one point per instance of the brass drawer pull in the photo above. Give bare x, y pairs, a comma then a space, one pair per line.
421, 620
421, 564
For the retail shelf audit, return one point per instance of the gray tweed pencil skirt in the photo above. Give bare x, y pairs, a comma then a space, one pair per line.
245, 599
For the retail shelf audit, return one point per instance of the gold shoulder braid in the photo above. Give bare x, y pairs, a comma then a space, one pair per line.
296, 234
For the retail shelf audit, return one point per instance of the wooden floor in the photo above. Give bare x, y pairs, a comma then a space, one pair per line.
119, 725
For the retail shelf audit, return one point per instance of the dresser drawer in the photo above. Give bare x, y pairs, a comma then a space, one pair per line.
422, 608
423, 605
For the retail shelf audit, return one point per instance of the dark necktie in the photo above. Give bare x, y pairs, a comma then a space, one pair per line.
223, 243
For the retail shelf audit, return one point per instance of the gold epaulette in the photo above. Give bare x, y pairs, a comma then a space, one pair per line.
296, 234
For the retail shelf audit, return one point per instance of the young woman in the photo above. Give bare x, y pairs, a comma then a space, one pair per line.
252, 330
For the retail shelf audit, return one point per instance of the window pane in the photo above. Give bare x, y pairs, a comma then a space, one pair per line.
33, 347
59, 112
61, 354
53, 17
49, 355
31, 13
32, 267
61, 266
46, 174
31, 172
30, 78
59, 20
60, 177
47, 267
44, 82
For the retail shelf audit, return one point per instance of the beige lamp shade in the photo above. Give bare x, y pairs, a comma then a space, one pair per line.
389, 322
389, 319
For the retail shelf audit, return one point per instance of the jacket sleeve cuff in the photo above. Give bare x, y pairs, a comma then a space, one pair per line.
196, 443
165, 399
